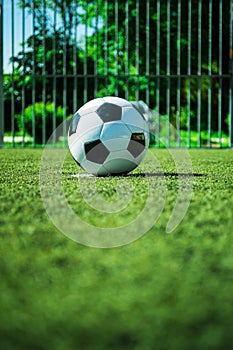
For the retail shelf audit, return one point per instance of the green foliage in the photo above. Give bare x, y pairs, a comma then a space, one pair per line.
41, 115
114, 56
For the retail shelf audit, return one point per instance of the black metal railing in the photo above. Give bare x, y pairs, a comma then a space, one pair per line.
176, 56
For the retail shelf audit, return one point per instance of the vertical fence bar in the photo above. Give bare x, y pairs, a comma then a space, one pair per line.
44, 74
189, 72
13, 73
199, 74
1, 78
168, 73
64, 73
106, 48
127, 49
209, 73
178, 70
85, 56
220, 77
33, 77
158, 71
137, 50
75, 24
116, 46
54, 69
96, 49
148, 51
23, 75
231, 76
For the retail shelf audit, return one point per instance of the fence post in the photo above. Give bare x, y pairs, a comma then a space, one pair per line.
231, 76
231, 96
1, 77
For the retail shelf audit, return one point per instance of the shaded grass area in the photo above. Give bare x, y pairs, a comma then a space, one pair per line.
163, 291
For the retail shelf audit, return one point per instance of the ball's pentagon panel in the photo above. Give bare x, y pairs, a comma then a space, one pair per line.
109, 112
137, 144
140, 157
115, 136
96, 151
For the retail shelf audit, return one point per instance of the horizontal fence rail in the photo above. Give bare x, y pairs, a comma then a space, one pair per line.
175, 56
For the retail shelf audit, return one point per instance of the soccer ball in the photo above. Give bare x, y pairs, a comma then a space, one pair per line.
108, 136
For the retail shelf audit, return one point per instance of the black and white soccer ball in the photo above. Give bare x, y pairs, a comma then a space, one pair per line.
108, 136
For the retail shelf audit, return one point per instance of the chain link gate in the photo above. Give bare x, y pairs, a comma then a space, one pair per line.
176, 56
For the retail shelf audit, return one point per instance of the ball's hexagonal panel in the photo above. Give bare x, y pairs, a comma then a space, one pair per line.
90, 106
119, 166
137, 144
115, 136
72, 139
138, 109
77, 150
102, 171
133, 119
119, 162
135, 128
96, 151
74, 123
117, 100
94, 168
87, 123
109, 112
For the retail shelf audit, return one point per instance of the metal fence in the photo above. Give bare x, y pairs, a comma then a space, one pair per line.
176, 56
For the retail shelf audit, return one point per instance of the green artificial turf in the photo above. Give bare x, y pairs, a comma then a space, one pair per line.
163, 291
